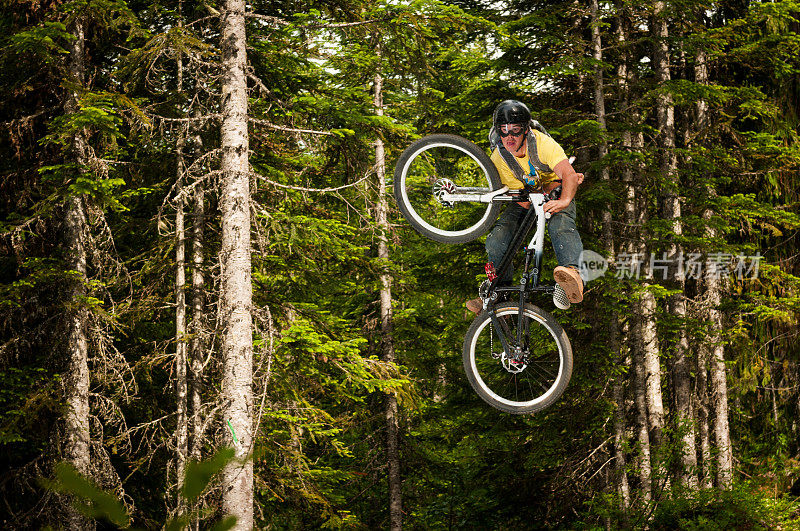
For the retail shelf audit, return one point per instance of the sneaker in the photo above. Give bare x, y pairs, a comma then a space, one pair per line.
475, 306
569, 279
560, 298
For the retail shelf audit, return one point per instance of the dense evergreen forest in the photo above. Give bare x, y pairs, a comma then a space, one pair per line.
201, 251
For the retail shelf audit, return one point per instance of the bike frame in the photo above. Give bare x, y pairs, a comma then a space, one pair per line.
529, 282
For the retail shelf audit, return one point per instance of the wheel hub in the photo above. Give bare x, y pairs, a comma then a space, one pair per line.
441, 187
514, 364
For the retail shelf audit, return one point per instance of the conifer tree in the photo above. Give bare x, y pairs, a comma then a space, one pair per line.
236, 299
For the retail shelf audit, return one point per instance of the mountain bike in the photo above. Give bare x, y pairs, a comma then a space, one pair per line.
517, 357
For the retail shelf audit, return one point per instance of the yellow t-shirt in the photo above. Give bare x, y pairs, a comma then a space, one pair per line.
549, 152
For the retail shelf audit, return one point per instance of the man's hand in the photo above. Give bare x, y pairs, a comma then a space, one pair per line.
556, 206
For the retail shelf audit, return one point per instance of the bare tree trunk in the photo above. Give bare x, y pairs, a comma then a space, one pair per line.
197, 325
181, 362
714, 296
236, 303
647, 306
719, 387
387, 339
640, 396
701, 117
703, 420
647, 376
618, 389
671, 210
632, 141
76, 449
181, 384
620, 467
646, 336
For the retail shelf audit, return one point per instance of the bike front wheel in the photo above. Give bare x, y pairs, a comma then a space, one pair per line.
435, 169
533, 375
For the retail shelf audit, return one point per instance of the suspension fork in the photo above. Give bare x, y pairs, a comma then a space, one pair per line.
532, 277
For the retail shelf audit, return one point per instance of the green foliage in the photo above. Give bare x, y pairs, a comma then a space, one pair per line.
743, 507
96, 504
45, 42
91, 501
25, 395
199, 474
319, 448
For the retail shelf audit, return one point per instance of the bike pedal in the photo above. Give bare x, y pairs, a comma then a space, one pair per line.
560, 298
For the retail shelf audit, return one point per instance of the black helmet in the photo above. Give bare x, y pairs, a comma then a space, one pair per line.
511, 112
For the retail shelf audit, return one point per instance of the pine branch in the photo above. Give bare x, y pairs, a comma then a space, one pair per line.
303, 189
288, 129
284, 22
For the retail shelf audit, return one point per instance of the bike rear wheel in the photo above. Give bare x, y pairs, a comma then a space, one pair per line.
446, 164
525, 384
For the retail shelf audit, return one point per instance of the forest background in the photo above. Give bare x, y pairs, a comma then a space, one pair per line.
199, 251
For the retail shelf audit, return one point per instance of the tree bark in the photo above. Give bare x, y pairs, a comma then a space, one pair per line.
640, 396
648, 338
181, 362
645, 334
387, 338
703, 420
236, 304
719, 387
76, 449
671, 210
713, 284
701, 118
618, 388
181, 384
620, 439
197, 325
632, 141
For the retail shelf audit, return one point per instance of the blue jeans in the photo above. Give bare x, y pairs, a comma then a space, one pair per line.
564, 235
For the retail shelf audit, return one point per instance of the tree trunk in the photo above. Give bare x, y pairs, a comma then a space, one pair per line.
620, 440
632, 141
236, 304
640, 395
714, 318
645, 334
647, 306
671, 210
703, 420
181, 384
701, 117
76, 449
618, 388
719, 388
197, 325
387, 339
647, 380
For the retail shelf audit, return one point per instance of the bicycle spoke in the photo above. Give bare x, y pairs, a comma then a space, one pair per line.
438, 182
517, 385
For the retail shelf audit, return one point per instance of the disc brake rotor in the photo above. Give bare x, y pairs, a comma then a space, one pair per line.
441, 187
512, 366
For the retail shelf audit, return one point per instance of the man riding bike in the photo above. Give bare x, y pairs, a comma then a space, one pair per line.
544, 165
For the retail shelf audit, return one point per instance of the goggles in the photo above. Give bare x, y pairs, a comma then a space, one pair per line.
511, 129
